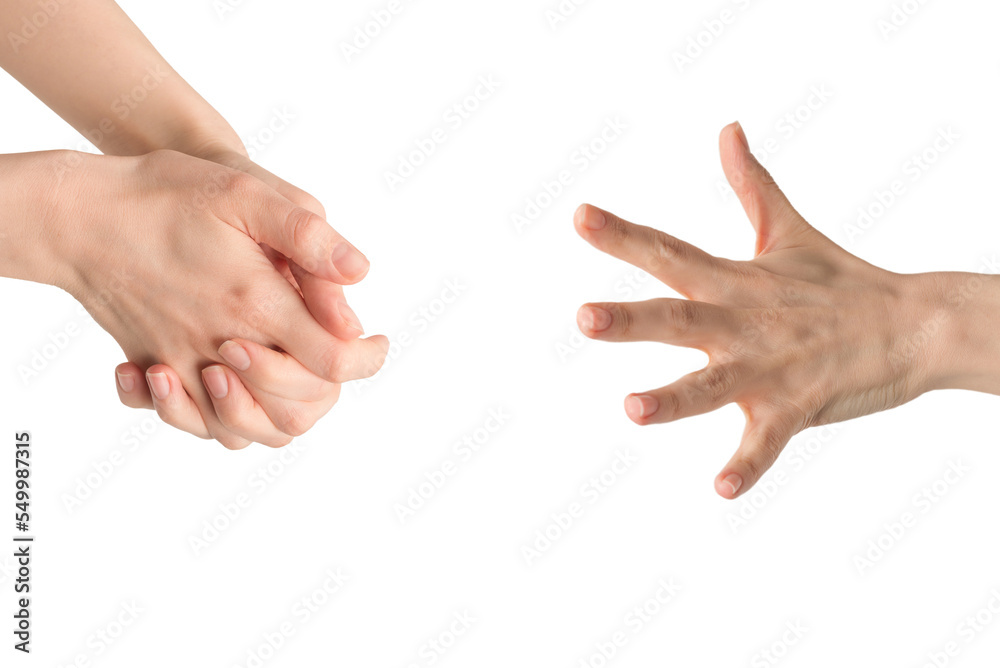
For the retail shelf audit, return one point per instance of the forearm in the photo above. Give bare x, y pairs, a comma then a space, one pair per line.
91, 65
960, 337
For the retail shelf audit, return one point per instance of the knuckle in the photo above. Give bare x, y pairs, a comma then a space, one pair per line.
752, 466
233, 419
307, 234
314, 205
229, 440
733, 282
718, 381
278, 441
259, 304
810, 404
374, 364
765, 177
332, 364
670, 405
165, 409
293, 421
770, 446
239, 185
766, 446
622, 320
618, 227
683, 315
740, 275
318, 389
301, 198
665, 249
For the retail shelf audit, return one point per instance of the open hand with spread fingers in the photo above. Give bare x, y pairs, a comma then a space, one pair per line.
803, 334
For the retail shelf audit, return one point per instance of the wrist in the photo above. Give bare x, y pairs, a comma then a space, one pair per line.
40, 197
80, 194
959, 330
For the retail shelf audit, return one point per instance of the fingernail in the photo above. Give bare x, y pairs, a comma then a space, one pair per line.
640, 406
235, 355
215, 381
734, 482
350, 317
595, 319
742, 136
126, 381
159, 385
349, 261
592, 218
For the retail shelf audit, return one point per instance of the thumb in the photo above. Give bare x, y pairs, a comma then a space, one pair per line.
773, 217
763, 440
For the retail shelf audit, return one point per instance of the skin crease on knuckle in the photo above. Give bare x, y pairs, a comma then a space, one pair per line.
681, 315
167, 412
240, 186
622, 318
292, 420
278, 441
718, 381
230, 441
307, 232
666, 250
771, 444
670, 405
310, 388
663, 254
332, 360
234, 419
239, 421
756, 464
308, 202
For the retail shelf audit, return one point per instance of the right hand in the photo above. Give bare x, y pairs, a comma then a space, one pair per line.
179, 242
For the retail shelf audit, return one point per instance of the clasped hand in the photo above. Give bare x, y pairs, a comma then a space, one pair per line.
232, 315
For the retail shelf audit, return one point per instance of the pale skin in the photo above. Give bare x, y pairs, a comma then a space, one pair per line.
188, 284
804, 334
234, 381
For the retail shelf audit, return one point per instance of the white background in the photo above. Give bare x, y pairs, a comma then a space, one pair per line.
503, 345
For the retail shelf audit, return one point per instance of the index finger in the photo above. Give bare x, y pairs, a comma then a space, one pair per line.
686, 268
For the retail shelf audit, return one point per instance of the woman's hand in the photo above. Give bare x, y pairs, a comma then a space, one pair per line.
173, 117
804, 334
295, 397
187, 236
263, 396
324, 298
